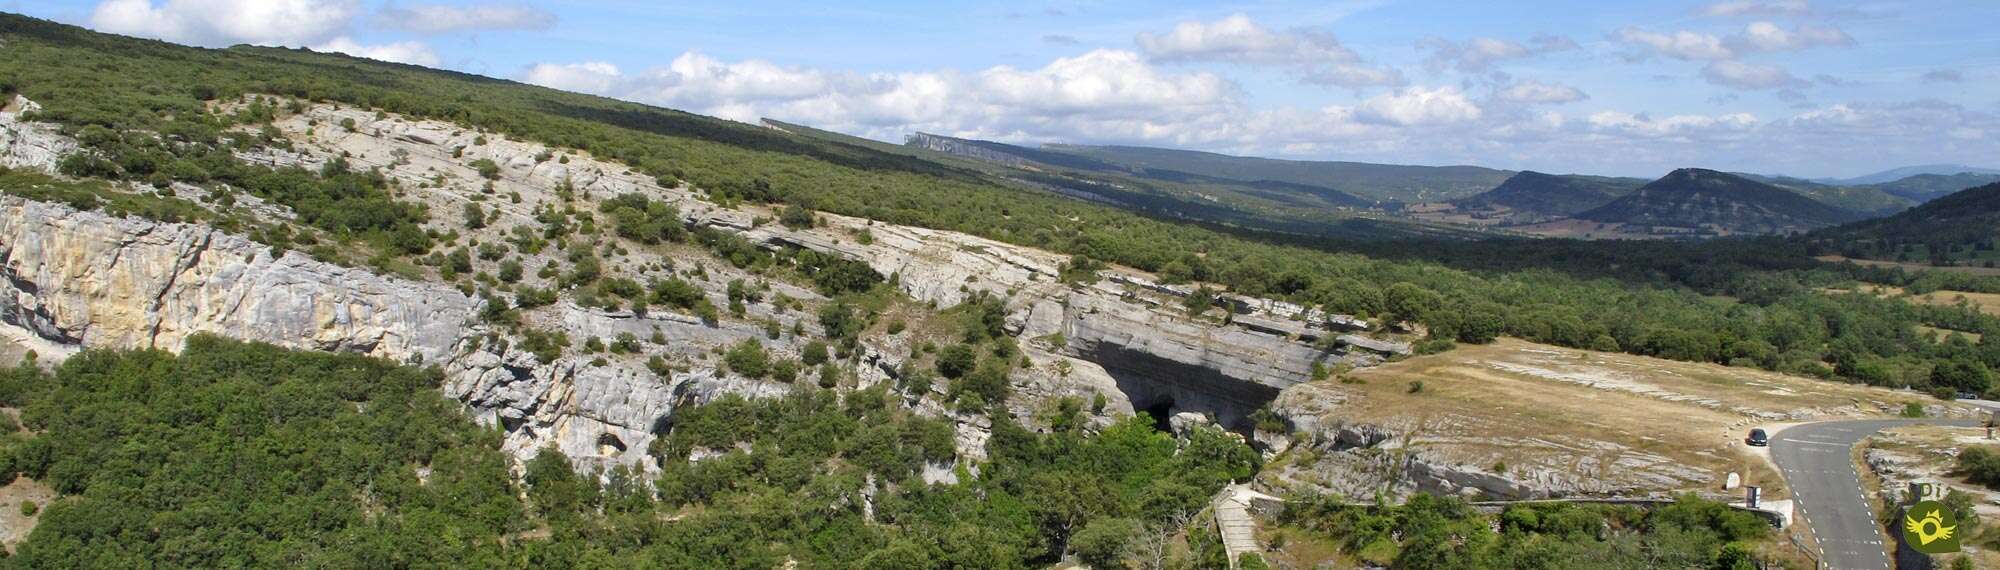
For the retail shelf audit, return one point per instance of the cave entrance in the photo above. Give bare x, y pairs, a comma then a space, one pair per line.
1163, 387
1162, 413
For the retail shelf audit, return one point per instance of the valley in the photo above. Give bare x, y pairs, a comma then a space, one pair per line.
266, 306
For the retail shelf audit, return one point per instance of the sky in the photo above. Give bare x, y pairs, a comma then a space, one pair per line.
1815, 88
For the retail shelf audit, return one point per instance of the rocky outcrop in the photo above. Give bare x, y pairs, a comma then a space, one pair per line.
87, 279
75, 279
27, 144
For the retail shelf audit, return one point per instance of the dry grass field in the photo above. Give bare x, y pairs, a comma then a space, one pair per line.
1637, 422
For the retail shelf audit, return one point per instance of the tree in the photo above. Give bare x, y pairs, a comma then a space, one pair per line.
1408, 302
797, 217
1962, 374
475, 217
956, 360
1480, 323
1102, 543
748, 359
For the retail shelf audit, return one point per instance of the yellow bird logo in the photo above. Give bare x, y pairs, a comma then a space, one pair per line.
1929, 529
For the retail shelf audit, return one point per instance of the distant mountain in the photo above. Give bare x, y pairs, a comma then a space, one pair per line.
1705, 199
1268, 205
1958, 229
1926, 187
1871, 201
1534, 195
1381, 182
1895, 174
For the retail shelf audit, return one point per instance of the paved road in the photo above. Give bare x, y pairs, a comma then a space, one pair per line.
1817, 462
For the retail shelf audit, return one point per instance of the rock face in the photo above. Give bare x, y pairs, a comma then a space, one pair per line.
30, 145
85, 279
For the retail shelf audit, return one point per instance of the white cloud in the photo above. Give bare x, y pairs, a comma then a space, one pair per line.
1538, 93
1419, 106
589, 77
433, 19
1477, 54
1766, 36
1683, 44
1677, 126
1237, 38
217, 23
413, 53
1742, 75
1102, 89
319, 24
1756, 8
1316, 54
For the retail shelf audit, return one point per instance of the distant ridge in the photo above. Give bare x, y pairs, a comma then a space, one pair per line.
1701, 198
1537, 195
1895, 174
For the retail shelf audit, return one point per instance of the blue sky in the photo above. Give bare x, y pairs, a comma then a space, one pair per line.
1802, 87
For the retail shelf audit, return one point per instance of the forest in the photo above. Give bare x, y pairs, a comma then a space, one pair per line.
245, 455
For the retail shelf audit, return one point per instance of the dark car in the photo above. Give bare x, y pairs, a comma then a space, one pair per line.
1757, 438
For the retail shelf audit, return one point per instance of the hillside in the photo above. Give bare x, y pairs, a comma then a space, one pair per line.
1959, 229
1894, 174
1531, 195
1381, 182
1701, 200
285, 308
1868, 201
1926, 187
1261, 205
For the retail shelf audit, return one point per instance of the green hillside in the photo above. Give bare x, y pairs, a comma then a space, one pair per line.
1384, 182
1959, 229
1697, 198
1926, 187
1538, 195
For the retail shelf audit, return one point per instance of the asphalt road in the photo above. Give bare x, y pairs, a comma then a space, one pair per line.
1817, 462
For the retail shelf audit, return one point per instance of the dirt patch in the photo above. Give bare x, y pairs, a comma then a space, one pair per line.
1913, 267
14, 525
1634, 422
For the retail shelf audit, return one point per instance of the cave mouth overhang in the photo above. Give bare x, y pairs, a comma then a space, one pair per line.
1159, 385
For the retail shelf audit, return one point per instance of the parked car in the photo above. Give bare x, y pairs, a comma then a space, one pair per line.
1757, 438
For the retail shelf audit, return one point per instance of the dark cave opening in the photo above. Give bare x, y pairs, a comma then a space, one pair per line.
1162, 413
1163, 387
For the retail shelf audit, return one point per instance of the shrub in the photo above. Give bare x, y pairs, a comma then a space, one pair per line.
748, 359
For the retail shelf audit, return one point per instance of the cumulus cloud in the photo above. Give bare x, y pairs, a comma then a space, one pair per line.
1677, 126
414, 53
1316, 54
1757, 37
1684, 45
1419, 106
1477, 54
434, 19
216, 23
1105, 88
1766, 36
1755, 8
1538, 93
318, 24
1237, 38
1742, 75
